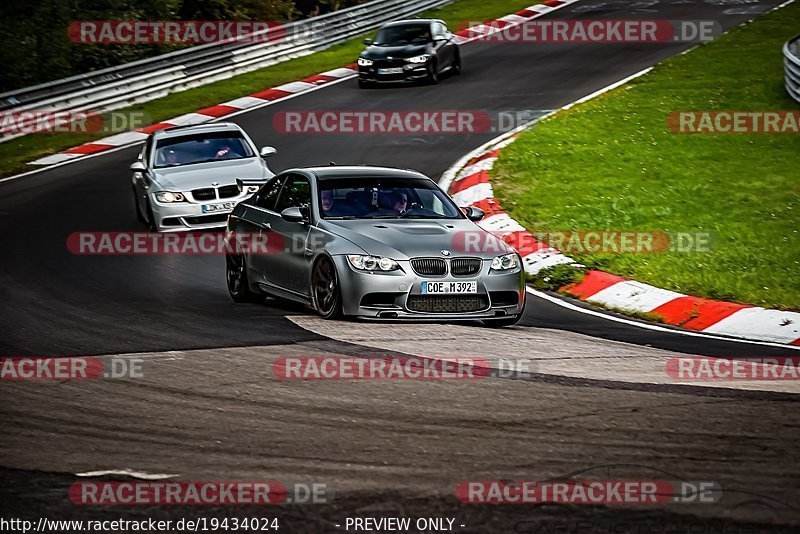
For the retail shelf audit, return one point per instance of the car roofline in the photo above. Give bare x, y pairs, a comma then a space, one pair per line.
332, 172
412, 21
198, 128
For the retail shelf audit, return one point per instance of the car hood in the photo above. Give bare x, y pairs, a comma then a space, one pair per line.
187, 177
403, 51
410, 238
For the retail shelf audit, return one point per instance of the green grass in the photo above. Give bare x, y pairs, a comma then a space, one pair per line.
15, 154
612, 163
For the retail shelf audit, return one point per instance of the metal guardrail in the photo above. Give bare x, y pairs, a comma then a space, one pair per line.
791, 62
147, 79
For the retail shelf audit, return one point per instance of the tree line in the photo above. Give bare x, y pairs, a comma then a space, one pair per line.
35, 47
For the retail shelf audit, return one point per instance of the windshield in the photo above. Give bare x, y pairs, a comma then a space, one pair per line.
403, 34
199, 148
395, 198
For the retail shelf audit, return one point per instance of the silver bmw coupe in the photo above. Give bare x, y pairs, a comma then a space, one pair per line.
373, 243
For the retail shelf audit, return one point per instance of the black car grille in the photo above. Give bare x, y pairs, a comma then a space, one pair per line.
447, 303
388, 63
204, 194
228, 191
429, 266
465, 266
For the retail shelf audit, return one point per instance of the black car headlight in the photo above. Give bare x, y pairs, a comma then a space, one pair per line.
372, 263
418, 59
505, 262
364, 62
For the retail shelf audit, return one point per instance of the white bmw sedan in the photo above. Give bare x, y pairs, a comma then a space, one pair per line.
186, 176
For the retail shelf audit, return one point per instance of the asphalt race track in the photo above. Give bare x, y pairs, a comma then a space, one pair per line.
210, 408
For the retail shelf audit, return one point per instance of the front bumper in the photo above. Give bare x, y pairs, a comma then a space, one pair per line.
411, 72
184, 216
397, 295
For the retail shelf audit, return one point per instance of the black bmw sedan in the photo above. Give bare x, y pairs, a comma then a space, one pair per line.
409, 50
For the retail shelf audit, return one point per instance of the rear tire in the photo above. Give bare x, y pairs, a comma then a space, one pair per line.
506, 321
325, 290
236, 276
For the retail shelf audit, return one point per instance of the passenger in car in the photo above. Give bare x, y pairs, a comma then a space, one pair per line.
333, 208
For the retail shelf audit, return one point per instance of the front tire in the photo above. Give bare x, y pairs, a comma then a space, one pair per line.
139, 216
364, 84
151, 219
325, 290
457, 65
433, 73
236, 276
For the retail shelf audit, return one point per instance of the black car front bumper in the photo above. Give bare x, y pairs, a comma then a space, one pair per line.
401, 71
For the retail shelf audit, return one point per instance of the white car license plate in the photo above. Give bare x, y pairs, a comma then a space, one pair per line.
225, 206
429, 288
392, 70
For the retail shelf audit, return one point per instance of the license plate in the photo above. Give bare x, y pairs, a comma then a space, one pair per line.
392, 70
225, 206
429, 288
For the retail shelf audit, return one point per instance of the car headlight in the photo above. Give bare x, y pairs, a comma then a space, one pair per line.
252, 188
168, 197
418, 59
372, 263
505, 262
364, 62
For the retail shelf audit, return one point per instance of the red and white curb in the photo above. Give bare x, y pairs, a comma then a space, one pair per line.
285, 91
468, 182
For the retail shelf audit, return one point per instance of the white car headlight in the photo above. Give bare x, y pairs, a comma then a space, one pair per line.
418, 59
364, 62
372, 263
168, 197
505, 262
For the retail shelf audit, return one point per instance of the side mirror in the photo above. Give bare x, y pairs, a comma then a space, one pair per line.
474, 214
293, 214
138, 166
243, 184
267, 151
368, 42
